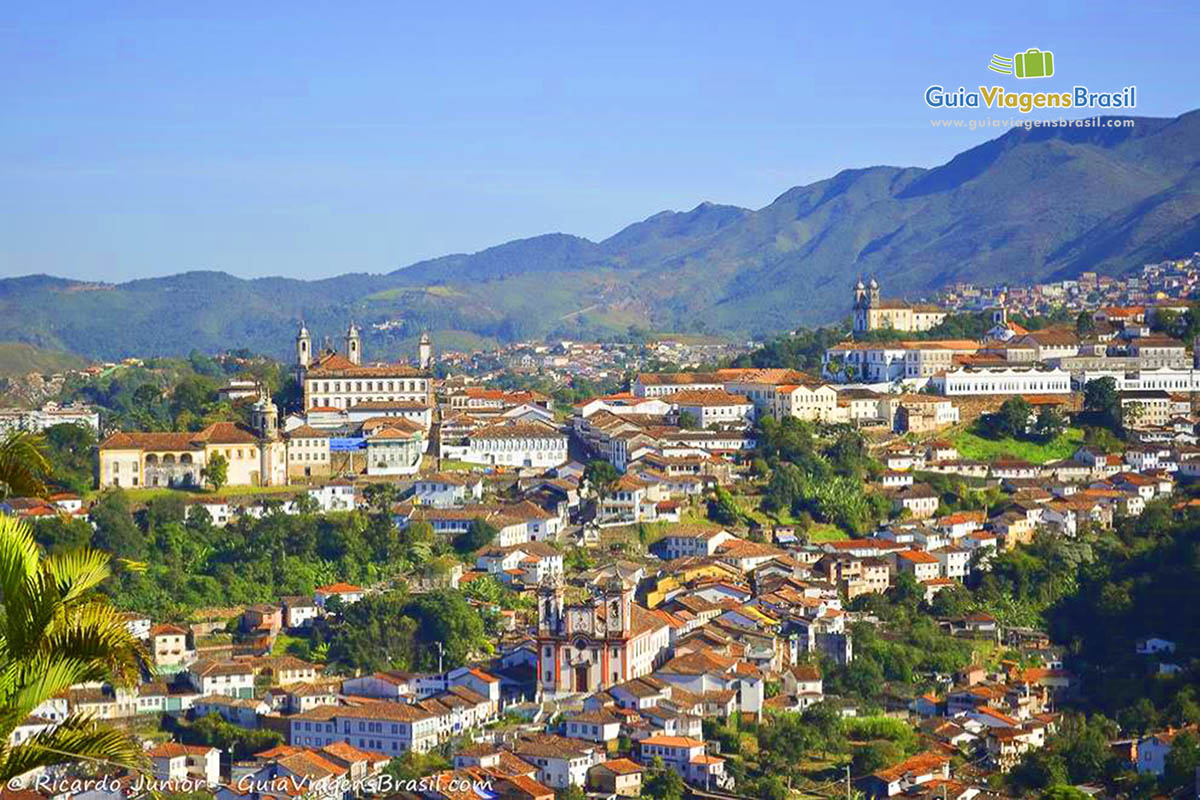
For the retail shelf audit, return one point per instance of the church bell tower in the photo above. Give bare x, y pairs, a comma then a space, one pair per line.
353, 345
303, 347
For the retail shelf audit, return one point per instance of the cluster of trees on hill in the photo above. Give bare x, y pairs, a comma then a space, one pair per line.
821, 476
193, 563
393, 630
178, 394
802, 350
1141, 583
1017, 419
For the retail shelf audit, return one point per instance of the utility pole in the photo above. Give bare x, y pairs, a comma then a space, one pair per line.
847, 782
441, 650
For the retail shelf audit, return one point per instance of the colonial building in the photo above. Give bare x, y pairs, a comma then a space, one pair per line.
873, 313
256, 456
333, 380
521, 445
601, 640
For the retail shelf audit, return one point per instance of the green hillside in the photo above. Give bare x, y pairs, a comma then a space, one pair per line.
1029, 205
18, 358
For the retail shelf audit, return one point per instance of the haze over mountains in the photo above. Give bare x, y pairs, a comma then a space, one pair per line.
1025, 206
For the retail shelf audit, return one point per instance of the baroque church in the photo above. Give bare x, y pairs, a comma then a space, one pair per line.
342, 381
601, 639
872, 313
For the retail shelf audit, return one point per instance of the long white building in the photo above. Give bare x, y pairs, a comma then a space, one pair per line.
1167, 379
524, 445
1002, 381
49, 415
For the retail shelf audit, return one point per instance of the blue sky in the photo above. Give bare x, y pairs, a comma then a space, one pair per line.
312, 138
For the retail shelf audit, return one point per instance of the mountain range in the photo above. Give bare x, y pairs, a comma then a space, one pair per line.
1030, 205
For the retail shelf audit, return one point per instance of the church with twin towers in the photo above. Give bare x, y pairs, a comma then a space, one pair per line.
341, 381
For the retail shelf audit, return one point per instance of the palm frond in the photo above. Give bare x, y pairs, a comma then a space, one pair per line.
77, 738
23, 465
96, 632
18, 572
77, 572
56, 630
28, 684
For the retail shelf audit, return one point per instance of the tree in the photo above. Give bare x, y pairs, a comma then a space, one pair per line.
723, 509
381, 496
216, 471
1182, 760
784, 742
23, 466
438, 630
1103, 403
56, 632
1049, 424
601, 477
413, 765
69, 451
664, 783
480, 533
1012, 420
239, 742
1084, 324
687, 421
874, 756
951, 602
116, 531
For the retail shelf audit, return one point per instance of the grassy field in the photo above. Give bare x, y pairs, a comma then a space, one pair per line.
824, 532
973, 446
144, 495
282, 641
454, 465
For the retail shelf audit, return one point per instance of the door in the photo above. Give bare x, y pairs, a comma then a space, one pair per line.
581, 679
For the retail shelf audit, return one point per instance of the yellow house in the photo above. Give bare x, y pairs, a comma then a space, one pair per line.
173, 459
689, 569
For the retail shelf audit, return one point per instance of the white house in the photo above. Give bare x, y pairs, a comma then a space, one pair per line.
687, 757
183, 765
222, 677
348, 592
335, 496
448, 489
521, 445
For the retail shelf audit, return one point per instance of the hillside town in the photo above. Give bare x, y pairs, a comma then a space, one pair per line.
706, 579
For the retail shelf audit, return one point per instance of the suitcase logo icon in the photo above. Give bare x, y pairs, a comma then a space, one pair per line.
1033, 63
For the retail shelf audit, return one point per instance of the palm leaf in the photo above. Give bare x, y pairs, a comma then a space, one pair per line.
77, 738
23, 465
57, 631
78, 571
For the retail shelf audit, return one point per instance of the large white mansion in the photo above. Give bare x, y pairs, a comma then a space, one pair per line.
337, 381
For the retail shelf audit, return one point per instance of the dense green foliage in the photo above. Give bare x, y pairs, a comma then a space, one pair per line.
1141, 583
802, 350
178, 393
392, 630
820, 475
193, 564
1016, 419
238, 742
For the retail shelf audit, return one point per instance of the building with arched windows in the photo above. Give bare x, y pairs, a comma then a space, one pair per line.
601, 639
333, 380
